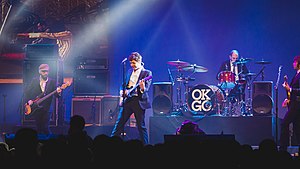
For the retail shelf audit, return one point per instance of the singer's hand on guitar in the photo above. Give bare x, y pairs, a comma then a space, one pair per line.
285, 103
142, 85
58, 90
286, 86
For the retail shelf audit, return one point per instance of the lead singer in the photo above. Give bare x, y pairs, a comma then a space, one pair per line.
135, 97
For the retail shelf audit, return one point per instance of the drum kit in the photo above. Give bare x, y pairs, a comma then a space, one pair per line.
227, 98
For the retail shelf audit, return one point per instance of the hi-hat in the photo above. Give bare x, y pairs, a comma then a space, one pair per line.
263, 62
178, 63
195, 68
242, 60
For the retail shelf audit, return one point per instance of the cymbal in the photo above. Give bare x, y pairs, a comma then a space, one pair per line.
242, 60
263, 62
250, 74
178, 63
195, 68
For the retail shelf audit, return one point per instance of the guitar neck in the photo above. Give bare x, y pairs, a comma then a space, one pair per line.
287, 92
46, 97
135, 86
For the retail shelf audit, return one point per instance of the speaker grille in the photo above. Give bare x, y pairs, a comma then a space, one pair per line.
262, 98
87, 107
91, 82
109, 110
162, 98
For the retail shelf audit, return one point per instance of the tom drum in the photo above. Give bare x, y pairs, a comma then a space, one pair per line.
226, 79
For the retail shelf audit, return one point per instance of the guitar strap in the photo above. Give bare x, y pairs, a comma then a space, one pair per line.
292, 82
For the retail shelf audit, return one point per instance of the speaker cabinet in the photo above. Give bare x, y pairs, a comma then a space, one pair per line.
97, 110
31, 70
262, 97
162, 98
87, 107
109, 110
44, 51
91, 82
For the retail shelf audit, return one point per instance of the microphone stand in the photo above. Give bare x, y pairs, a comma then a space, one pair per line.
124, 89
276, 104
93, 111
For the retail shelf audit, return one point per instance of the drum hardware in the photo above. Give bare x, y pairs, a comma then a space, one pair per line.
248, 102
180, 106
263, 63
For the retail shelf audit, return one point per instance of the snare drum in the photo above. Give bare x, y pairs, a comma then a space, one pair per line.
206, 99
226, 79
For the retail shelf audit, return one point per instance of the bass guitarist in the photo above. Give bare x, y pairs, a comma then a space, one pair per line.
38, 88
292, 103
135, 101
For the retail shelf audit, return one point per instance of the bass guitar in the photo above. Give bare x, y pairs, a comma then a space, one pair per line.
288, 94
130, 90
30, 109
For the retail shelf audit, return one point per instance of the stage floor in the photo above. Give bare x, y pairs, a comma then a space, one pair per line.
247, 129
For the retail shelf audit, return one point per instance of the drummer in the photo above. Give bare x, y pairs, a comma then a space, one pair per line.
238, 69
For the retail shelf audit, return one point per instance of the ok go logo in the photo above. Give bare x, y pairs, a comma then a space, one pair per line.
201, 100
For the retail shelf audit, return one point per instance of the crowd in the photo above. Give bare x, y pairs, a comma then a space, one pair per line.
77, 148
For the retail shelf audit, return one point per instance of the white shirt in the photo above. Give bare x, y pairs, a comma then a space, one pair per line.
134, 77
234, 69
43, 84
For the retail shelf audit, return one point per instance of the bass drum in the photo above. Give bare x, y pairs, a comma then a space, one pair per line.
206, 99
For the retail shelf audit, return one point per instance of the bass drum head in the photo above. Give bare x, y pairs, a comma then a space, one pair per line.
205, 99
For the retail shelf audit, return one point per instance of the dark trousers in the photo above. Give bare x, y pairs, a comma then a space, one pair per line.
131, 106
42, 121
291, 116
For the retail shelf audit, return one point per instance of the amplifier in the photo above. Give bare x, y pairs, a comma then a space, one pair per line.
87, 107
91, 82
97, 110
40, 51
93, 63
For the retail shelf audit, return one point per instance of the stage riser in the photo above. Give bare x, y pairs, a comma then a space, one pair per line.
247, 130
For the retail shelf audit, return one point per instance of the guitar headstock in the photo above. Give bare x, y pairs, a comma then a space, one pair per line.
285, 78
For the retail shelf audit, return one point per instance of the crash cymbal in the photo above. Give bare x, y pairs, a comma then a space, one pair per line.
178, 63
263, 62
195, 68
242, 60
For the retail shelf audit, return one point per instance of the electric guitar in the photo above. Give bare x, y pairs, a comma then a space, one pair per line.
129, 91
30, 109
288, 94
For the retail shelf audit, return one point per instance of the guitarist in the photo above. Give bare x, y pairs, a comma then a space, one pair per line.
292, 103
137, 101
38, 87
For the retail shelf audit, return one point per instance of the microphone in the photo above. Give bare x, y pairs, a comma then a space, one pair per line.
124, 60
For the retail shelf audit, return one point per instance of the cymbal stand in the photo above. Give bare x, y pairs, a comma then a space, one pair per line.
249, 98
180, 106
